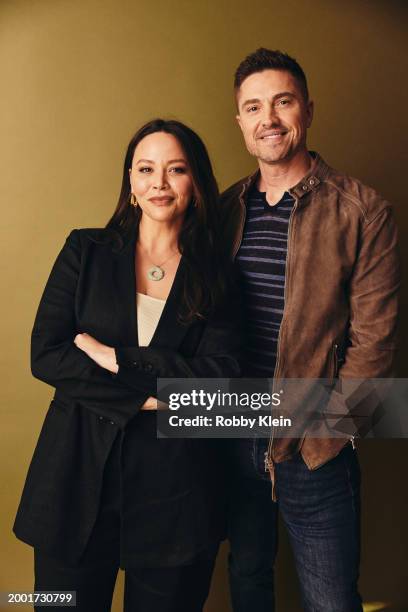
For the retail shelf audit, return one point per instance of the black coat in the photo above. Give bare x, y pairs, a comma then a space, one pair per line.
92, 288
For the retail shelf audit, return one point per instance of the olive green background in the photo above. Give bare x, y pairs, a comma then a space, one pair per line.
77, 78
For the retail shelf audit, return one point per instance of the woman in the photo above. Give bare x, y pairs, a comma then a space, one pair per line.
145, 297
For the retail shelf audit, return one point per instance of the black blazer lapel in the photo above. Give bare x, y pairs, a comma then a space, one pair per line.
170, 331
124, 287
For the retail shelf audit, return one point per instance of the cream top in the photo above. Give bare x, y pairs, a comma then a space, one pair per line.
149, 310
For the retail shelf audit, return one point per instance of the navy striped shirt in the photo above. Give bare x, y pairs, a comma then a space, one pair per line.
262, 259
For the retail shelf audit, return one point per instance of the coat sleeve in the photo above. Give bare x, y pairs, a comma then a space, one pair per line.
372, 333
218, 355
57, 361
374, 289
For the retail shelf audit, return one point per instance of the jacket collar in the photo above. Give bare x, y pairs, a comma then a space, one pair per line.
310, 182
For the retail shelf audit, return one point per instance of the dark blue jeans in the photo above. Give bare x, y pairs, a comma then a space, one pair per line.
321, 511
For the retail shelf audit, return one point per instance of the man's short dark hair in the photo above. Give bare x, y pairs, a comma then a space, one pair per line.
265, 59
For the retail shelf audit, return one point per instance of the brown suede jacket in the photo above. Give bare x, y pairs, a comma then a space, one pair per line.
341, 289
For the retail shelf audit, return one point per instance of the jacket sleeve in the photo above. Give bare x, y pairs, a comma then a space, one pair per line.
372, 330
218, 354
374, 288
57, 361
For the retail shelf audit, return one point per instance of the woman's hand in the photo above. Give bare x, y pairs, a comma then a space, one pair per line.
103, 355
150, 404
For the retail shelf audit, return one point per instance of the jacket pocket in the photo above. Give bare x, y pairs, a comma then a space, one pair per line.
336, 361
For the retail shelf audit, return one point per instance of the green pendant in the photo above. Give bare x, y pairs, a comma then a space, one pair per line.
155, 273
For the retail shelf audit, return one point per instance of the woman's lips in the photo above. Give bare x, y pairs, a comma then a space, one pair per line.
161, 201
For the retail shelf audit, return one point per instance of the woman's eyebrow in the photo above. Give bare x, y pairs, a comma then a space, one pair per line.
171, 161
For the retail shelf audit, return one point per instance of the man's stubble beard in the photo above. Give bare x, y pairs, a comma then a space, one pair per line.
285, 156
272, 158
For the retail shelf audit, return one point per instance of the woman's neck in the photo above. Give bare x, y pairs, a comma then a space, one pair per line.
155, 237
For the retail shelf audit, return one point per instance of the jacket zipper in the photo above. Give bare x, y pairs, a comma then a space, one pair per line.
269, 463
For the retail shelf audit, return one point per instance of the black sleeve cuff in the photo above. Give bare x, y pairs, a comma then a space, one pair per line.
134, 371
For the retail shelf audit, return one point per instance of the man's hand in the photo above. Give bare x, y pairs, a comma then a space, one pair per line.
103, 355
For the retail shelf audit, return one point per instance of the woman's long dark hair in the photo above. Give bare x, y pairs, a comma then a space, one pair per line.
199, 241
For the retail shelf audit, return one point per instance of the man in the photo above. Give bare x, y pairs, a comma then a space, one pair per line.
317, 251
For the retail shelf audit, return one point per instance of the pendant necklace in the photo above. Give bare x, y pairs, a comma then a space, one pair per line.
156, 272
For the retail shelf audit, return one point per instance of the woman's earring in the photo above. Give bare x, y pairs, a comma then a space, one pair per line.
133, 200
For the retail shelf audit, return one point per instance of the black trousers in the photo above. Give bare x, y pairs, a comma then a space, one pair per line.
170, 589
176, 588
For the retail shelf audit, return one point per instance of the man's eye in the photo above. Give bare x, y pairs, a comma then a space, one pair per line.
252, 109
283, 102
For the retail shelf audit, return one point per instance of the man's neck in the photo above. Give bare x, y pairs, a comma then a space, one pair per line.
278, 177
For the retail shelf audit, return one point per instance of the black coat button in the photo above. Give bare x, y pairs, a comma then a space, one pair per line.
149, 367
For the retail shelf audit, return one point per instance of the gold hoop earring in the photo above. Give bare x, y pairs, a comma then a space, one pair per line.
133, 201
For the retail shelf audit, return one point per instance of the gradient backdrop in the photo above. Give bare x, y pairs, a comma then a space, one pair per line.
78, 77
